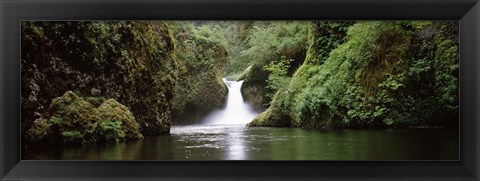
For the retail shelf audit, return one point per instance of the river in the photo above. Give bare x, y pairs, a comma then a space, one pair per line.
223, 136
237, 142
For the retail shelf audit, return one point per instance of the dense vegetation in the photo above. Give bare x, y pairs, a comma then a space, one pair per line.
274, 51
199, 89
131, 62
372, 74
117, 81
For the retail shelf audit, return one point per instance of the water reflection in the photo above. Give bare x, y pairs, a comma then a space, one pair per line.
236, 142
237, 145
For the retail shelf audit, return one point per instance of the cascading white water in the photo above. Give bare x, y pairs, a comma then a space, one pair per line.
236, 111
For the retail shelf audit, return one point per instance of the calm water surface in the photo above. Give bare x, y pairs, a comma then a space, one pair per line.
237, 142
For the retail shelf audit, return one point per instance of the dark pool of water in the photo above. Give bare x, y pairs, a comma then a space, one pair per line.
237, 142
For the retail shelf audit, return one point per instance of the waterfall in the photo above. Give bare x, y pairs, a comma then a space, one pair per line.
236, 110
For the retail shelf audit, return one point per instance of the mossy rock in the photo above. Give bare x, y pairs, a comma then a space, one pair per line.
270, 118
199, 88
129, 61
76, 120
254, 89
112, 110
41, 130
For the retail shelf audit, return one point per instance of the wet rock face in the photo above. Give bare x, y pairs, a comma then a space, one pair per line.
76, 120
130, 62
254, 89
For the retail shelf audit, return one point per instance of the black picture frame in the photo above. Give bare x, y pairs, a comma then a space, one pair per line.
13, 11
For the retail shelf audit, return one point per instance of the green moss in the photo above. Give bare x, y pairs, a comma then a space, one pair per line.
42, 130
130, 61
119, 117
95, 101
270, 118
75, 120
111, 130
199, 88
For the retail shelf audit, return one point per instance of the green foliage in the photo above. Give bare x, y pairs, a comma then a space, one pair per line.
270, 40
269, 43
383, 74
212, 32
130, 61
249, 43
323, 37
419, 25
72, 136
206, 51
111, 130
202, 57
446, 82
393, 82
236, 35
278, 78
284, 102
